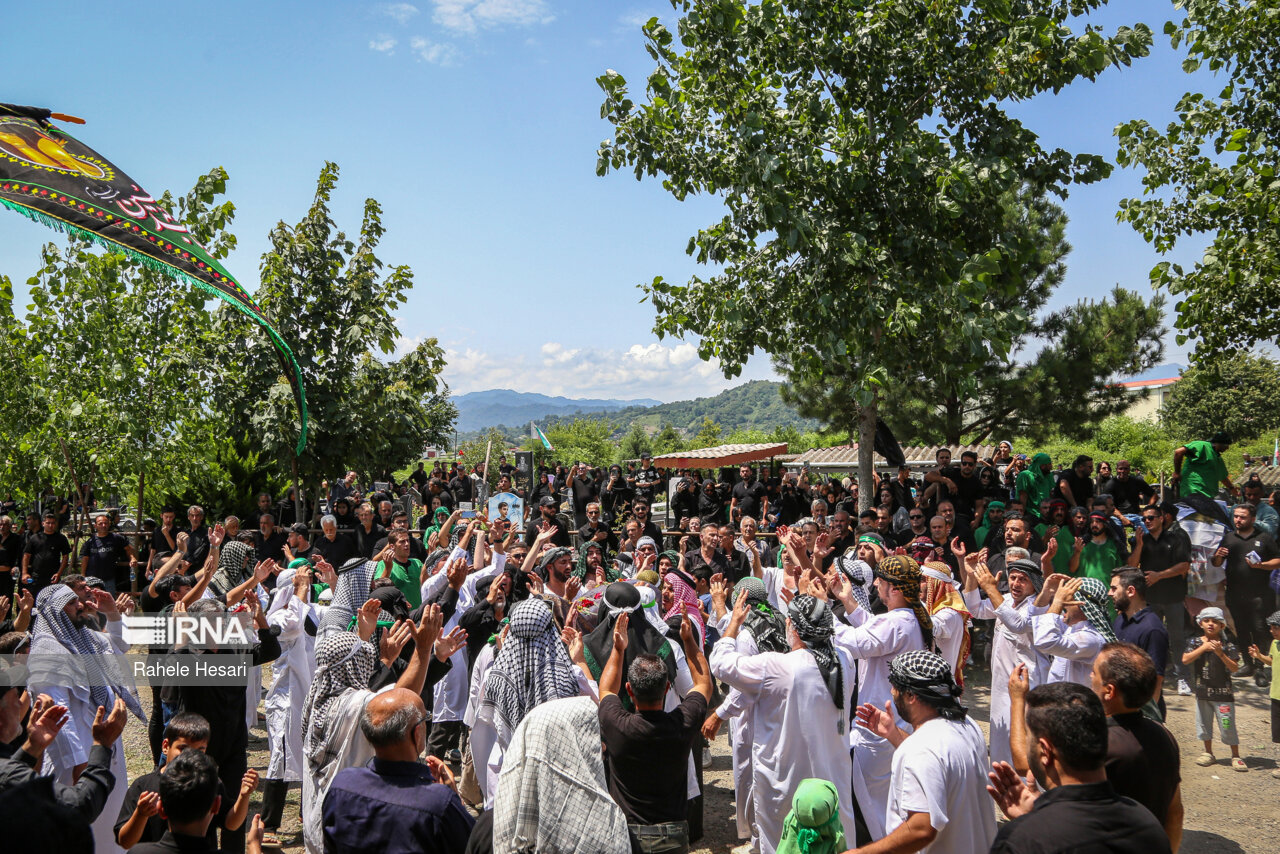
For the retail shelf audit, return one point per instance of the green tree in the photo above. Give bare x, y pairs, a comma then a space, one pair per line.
330, 296
708, 435
668, 440
1214, 171
1068, 386
583, 439
864, 158
109, 361
635, 443
1233, 393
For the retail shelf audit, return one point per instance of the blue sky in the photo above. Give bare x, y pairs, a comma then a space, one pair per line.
475, 123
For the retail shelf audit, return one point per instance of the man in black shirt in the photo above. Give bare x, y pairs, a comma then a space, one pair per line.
1129, 491
1079, 810
1250, 554
298, 544
335, 547
1076, 485
366, 535
840, 538
104, 551
1164, 556
45, 557
165, 537
647, 480
547, 516
901, 487
419, 478
959, 484
1142, 756
646, 752
197, 538
10, 558
270, 540
648, 528
749, 497
596, 529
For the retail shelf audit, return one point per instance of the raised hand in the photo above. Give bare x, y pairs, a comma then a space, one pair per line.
148, 804
875, 719
326, 573
572, 638
46, 721
572, 587
367, 618
1013, 795
427, 629
620, 636
1019, 681
125, 603
107, 728
217, 535
248, 782
958, 548
457, 573
451, 643
719, 593
393, 642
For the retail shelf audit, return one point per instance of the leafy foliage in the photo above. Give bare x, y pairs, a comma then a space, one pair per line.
864, 160
1233, 393
330, 296
1214, 171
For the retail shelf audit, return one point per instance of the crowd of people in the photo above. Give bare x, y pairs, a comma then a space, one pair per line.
551, 683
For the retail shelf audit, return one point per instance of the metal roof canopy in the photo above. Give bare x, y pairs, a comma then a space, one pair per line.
719, 455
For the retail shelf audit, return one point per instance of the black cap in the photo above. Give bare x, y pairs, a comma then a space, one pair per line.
547, 501
299, 528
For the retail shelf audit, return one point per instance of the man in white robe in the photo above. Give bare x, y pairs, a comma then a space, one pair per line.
1074, 628
1011, 643
72, 663
873, 641
800, 711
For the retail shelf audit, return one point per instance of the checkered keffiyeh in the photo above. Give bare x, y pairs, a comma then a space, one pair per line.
1093, 597
904, 574
768, 628
925, 674
815, 624
343, 663
352, 590
531, 668
860, 575
552, 794
54, 636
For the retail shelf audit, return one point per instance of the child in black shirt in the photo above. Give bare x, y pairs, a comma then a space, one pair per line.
1213, 658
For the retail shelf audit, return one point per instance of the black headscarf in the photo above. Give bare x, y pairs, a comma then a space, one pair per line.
642, 636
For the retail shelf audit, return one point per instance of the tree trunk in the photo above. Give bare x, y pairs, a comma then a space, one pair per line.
866, 454
297, 494
953, 422
137, 515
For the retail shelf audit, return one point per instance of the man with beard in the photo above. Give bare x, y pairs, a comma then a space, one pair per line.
1142, 756
1011, 646
649, 528
708, 558
1098, 556
334, 547
749, 496
165, 537
269, 540
960, 484
594, 529
1057, 526
45, 556
548, 519
873, 641
884, 526
741, 564
1250, 555
395, 562
800, 711
367, 533
1075, 486
556, 569
1139, 625
103, 552
919, 527
1079, 810
1164, 556
1267, 518
940, 769
840, 537
585, 491
1130, 492
990, 533
1017, 535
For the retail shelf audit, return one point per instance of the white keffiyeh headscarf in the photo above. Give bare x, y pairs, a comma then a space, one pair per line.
351, 591
552, 794
54, 636
531, 668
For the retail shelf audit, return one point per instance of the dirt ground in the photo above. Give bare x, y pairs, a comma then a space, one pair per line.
1227, 812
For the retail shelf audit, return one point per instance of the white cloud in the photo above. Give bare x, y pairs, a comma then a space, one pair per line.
438, 53
664, 371
633, 21
466, 16
383, 44
401, 12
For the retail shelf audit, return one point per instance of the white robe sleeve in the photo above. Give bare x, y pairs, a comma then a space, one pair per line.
747, 673
979, 606
874, 638
586, 685
1050, 637
71, 747
947, 623
115, 634
1017, 620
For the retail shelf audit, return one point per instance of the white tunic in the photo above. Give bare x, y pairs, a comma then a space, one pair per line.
450, 693
71, 747
1073, 647
737, 710
353, 750
941, 769
291, 680
874, 640
799, 732
948, 634
1011, 645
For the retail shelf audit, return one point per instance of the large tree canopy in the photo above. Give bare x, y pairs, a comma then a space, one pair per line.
1214, 171
1233, 393
865, 162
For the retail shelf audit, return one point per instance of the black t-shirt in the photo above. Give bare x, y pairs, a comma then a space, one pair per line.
1142, 761
1171, 548
750, 497
157, 825
585, 491
1081, 487
366, 543
197, 547
719, 563
270, 547
336, 551
1241, 580
1212, 679
966, 492
46, 552
1129, 495
646, 757
647, 482
462, 487
561, 536
104, 554
11, 551
160, 543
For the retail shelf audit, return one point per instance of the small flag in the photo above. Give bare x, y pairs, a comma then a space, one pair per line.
1275, 457
539, 436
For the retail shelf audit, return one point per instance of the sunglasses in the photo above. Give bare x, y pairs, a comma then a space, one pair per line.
1150, 518
915, 516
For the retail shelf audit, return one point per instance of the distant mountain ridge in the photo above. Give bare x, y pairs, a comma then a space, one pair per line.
480, 409
754, 405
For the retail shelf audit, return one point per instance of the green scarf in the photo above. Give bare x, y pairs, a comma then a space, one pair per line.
813, 825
